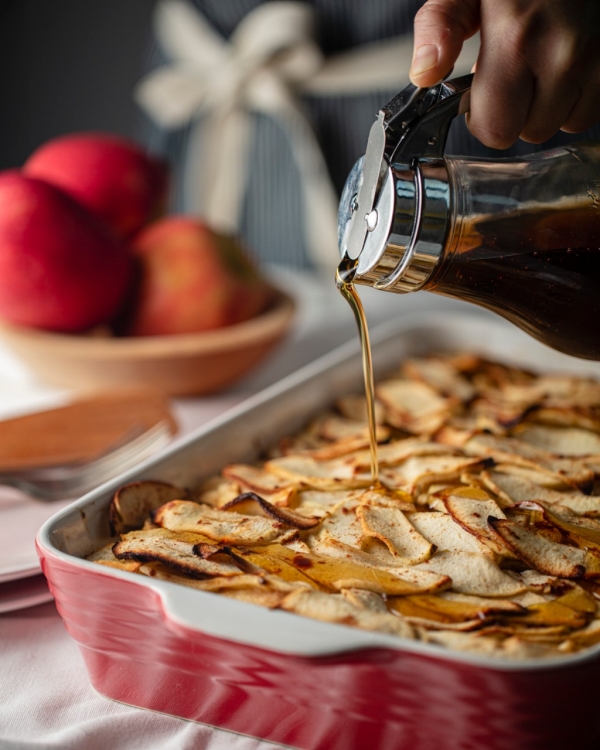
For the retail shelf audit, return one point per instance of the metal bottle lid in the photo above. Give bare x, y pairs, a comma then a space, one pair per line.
395, 207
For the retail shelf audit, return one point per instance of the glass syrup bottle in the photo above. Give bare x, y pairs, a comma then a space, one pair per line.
519, 236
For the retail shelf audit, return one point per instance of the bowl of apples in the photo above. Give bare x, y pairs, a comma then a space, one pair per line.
95, 291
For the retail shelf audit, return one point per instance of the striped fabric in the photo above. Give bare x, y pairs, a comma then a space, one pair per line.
272, 222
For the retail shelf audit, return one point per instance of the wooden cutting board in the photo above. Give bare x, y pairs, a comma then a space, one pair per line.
82, 430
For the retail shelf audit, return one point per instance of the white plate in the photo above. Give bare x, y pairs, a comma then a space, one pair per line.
22, 594
20, 518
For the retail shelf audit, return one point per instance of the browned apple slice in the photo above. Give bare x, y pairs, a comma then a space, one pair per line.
397, 451
459, 641
579, 599
454, 435
417, 473
441, 375
278, 566
510, 450
413, 406
562, 441
342, 524
338, 573
218, 525
472, 513
553, 613
569, 390
581, 532
514, 488
498, 415
563, 414
324, 501
536, 633
446, 609
441, 530
545, 555
392, 527
217, 491
365, 599
424, 580
265, 591
132, 504
334, 428
264, 596
320, 475
130, 565
250, 500
520, 647
337, 609
345, 447
381, 495
584, 638
105, 556
255, 479
174, 550
355, 407
474, 574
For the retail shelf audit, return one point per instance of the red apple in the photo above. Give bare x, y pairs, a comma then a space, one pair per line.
192, 279
60, 268
111, 176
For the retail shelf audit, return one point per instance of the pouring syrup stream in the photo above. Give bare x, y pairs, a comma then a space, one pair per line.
343, 279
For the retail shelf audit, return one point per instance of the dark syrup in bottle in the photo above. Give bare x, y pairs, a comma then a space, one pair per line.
540, 272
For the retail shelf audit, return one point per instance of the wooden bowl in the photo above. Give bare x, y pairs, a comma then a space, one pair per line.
179, 365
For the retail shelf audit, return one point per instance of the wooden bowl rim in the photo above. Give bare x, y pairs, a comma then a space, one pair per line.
272, 322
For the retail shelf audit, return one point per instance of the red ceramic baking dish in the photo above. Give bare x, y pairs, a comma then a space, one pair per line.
300, 682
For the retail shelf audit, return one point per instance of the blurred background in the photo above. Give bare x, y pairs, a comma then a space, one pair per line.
76, 65
69, 65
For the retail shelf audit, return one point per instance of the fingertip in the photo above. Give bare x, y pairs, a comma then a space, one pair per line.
425, 80
537, 138
573, 130
585, 112
424, 70
489, 138
500, 101
440, 28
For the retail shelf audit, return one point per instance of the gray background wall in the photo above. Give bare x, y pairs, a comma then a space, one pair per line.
68, 65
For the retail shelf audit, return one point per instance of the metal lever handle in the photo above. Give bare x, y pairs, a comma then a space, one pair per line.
416, 125
412, 127
417, 120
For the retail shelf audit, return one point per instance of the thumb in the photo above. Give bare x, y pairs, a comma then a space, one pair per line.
441, 27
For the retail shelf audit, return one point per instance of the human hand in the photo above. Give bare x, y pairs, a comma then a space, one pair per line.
538, 68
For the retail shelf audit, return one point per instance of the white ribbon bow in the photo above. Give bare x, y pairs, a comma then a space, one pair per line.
270, 59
